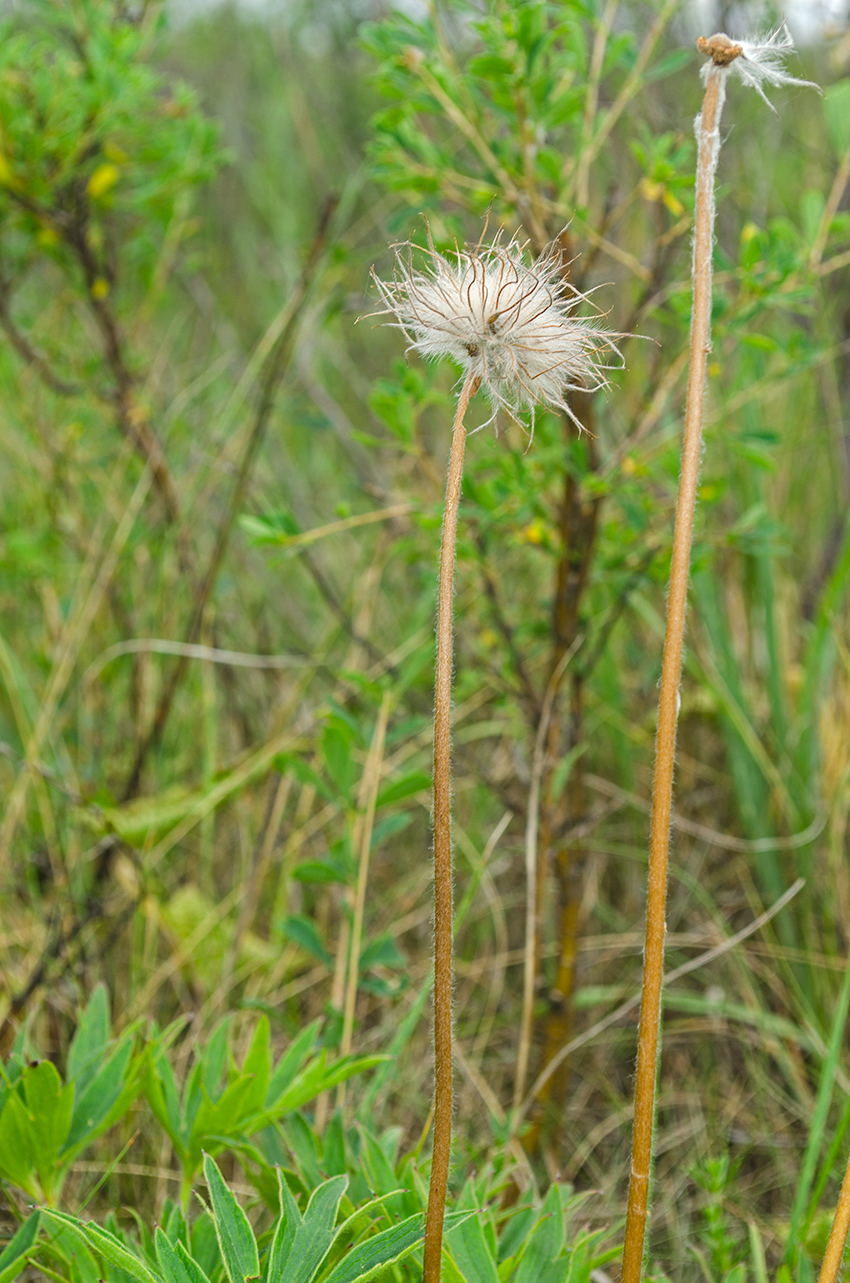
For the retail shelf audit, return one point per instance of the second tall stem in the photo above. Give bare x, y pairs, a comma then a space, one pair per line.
671, 671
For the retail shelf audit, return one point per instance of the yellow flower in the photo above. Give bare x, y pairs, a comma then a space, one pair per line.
103, 178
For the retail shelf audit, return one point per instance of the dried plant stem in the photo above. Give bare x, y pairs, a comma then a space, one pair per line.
837, 1241
441, 1152
668, 705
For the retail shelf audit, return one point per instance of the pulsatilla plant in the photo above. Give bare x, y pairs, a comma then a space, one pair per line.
222, 1104
509, 324
301, 1247
756, 62
45, 1123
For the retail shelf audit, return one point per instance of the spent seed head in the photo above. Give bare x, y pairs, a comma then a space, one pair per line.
508, 322
758, 61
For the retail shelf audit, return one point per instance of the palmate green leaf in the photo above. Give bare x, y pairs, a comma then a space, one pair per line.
233, 1229
13, 1258
205, 1079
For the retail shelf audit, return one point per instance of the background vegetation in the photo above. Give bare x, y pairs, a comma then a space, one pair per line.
217, 565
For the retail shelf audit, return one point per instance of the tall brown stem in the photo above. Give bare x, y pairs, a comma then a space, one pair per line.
668, 706
441, 1153
837, 1241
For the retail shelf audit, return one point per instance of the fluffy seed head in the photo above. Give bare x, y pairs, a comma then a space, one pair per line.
507, 322
756, 62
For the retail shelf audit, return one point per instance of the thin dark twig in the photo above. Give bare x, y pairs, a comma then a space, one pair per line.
28, 354
506, 629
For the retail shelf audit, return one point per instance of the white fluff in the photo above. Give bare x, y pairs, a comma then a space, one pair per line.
505, 321
762, 61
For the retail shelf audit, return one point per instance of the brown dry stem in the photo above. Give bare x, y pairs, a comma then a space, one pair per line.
441, 1151
837, 1240
668, 706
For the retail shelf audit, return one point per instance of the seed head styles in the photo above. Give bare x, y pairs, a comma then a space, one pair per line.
758, 61
507, 322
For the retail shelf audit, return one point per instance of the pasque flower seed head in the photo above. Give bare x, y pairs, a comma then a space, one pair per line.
757, 61
507, 322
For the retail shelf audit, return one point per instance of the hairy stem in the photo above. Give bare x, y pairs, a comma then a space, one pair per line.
441, 1152
837, 1241
668, 705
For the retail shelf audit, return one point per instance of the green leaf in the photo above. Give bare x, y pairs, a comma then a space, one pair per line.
287, 1227
221, 1118
470, 1252
257, 1066
836, 106
107, 1095
315, 1235
33, 1127
289, 1065
318, 1077
336, 751
114, 1251
545, 1242
176, 1264
107, 1245
161, 1093
381, 952
375, 1254
13, 1258
66, 1240
407, 786
304, 933
92, 1035
232, 1227
324, 872
273, 528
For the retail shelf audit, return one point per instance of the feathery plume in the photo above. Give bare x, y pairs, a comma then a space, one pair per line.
508, 323
758, 61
